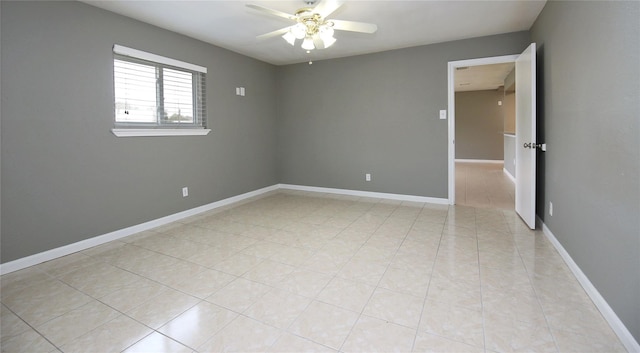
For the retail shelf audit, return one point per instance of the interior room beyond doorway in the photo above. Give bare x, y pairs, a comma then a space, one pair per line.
482, 184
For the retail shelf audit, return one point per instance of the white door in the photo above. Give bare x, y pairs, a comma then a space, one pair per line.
526, 135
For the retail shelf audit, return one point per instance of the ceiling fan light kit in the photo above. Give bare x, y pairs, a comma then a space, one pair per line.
312, 25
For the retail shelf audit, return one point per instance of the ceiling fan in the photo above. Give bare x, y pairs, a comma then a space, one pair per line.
312, 25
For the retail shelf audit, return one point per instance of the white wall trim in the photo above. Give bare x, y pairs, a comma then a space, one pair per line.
135, 53
379, 195
48, 255
511, 177
451, 105
159, 132
492, 161
614, 321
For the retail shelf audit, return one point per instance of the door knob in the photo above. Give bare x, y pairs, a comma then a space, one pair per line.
533, 145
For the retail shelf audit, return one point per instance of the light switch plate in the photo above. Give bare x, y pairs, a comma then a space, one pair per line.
443, 115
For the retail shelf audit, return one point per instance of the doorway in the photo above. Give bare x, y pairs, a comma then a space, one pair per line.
471, 173
526, 145
485, 131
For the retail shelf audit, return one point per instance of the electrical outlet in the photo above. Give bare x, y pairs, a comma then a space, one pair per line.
550, 208
367, 177
185, 191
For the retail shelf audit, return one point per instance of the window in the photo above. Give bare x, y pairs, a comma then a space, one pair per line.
157, 96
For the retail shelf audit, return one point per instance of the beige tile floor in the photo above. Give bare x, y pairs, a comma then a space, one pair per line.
484, 185
298, 272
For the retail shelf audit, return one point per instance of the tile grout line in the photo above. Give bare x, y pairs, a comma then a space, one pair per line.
484, 328
426, 295
546, 319
379, 280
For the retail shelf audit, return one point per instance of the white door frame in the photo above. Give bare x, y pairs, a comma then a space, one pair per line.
452, 109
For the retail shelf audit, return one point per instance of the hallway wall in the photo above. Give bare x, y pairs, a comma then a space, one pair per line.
588, 109
479, 125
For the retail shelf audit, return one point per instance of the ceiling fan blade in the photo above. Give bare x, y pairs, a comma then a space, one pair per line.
277, 32
353, 26
327, 7
272, 12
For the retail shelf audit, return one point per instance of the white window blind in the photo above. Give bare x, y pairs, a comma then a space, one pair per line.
156, 92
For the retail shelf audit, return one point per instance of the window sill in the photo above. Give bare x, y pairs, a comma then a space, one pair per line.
159, 132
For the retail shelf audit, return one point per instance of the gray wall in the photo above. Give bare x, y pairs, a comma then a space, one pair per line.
479, 125
509, 108
510, 154
589, 55
378, 114
509, 102
66, 177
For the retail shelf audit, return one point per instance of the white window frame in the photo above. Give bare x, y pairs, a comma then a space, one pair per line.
132, 130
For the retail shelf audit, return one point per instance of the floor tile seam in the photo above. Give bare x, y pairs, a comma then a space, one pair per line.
17, 274
316, 299
271, 288
32, 327
581, 334
160, 253
3, 297
311, 300
164, 335
424, 301
121, 314
149, 279
126, 313
282, 330
365, 315
304, 338
367, 301
125, 244
548, 326
285, 329
209, 338
353, 255
482, 308
70, 286
544, 313
157, 294
177, 237
456, 340
147, 335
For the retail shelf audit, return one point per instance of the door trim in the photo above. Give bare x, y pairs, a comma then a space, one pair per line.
452, 65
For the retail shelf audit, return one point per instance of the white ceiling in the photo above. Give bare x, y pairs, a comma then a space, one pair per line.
484, 77
232, 25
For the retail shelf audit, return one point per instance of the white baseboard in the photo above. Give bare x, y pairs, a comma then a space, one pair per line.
379, 195
494, 161
614, 321
509, 175
48, 255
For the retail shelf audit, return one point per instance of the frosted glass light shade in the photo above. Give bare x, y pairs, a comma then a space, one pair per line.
299, 31
289, 37
328, 41
308, 43
326, 32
